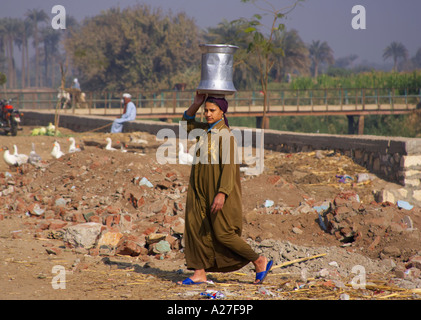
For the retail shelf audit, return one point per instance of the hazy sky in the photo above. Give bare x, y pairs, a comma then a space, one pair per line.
325, 20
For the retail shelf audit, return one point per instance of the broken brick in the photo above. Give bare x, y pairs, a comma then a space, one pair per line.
131, 246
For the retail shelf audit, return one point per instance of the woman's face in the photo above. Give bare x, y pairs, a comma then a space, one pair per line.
212, 112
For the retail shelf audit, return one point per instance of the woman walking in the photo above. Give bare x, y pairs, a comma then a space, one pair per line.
213, 209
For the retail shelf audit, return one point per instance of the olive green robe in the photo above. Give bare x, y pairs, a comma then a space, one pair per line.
213, 241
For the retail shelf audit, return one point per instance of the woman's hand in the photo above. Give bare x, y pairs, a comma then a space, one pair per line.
199, 99
218, 202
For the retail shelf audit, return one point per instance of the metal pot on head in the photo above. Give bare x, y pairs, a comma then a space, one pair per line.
217, 69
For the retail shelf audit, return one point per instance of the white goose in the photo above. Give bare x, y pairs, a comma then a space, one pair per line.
11, 159
184, 157
34, 157
56, 152
22, 158
108, 146
72, 147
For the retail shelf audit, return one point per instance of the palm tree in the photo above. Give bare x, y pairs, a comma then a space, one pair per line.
72, 25
10, 28
2, 44
295, 58
395, 50
35, 16
417, 59
23, 33
19, 41
320, 53
225, 32
51, 40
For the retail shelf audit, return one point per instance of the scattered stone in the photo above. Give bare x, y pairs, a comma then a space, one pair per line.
297, 230
54, 251
60, 202
408, 222
177, 226
414, 262
35, 209
131, 246
384, 196
83, 235
362, 177
110, 239
162, 246
155, 238
392, 251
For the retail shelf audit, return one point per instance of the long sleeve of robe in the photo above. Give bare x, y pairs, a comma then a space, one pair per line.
213, 241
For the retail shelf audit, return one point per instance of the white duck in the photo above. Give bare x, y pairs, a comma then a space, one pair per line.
184, 157
108, 146
34, 157
72, 147
56, 152
22, 158
11, 159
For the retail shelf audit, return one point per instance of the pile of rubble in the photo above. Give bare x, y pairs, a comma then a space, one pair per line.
101, 202
351, 221
338, 218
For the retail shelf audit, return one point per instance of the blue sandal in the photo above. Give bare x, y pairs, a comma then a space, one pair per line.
189, 282
260, 276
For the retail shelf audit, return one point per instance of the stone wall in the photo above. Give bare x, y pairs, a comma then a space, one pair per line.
394, 159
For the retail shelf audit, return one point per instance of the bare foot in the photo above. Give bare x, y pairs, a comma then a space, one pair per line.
260, 265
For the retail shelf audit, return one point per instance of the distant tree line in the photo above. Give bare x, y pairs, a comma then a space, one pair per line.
140, 47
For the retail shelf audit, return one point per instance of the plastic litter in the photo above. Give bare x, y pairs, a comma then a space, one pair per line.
145, 182
213, 294
321, 208
268, 203
265, 291
37, 210
404, 205
322, 223
344, 178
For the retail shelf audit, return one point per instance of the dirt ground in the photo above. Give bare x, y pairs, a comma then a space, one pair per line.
37, 264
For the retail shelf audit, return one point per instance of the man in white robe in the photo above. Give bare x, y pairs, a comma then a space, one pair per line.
129, 114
